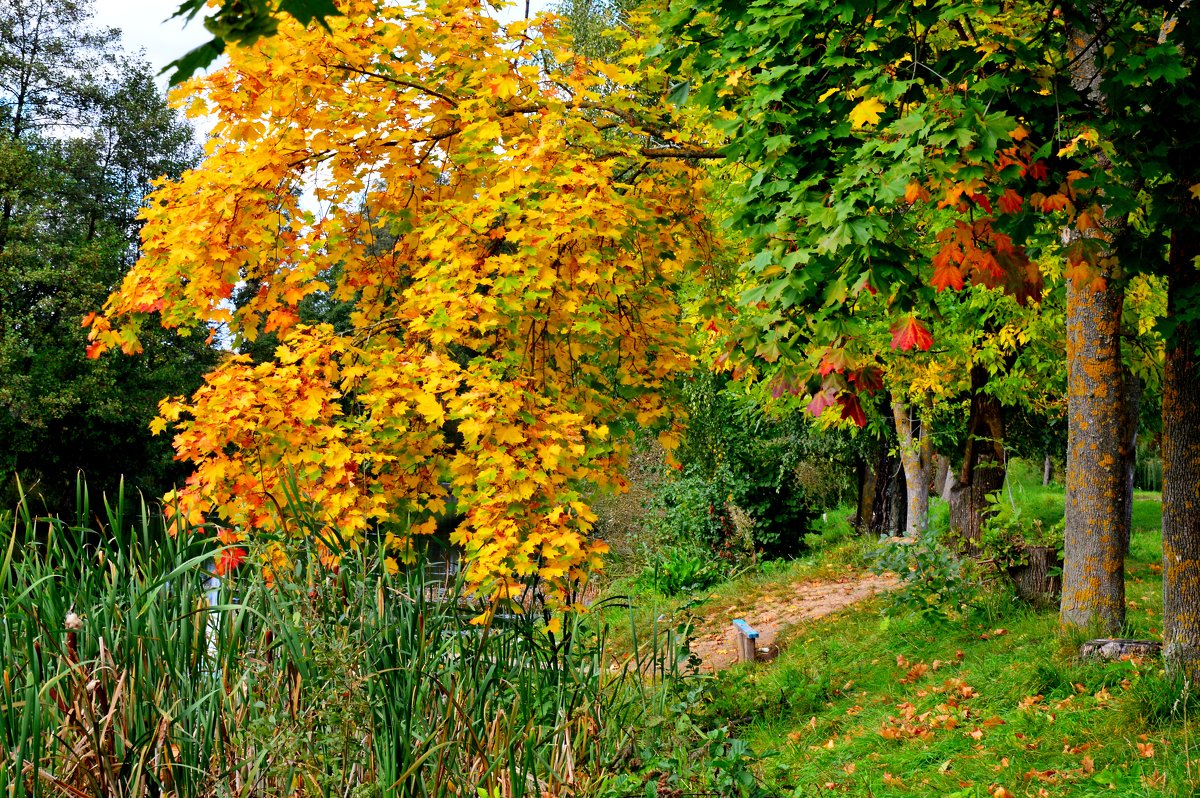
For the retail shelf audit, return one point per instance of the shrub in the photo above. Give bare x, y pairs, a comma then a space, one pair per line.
935, 583
682, 570
748, 481
1005, 535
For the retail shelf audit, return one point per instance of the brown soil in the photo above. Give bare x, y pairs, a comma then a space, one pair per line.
715, 642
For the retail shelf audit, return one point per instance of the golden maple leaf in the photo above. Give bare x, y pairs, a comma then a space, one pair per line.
866, 113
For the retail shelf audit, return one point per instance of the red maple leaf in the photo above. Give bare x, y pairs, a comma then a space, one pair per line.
982, 201
833, 360
227, 560
911, 333
822, 400
1056, 202
947, 271
852, 410
1010, 201
869, 379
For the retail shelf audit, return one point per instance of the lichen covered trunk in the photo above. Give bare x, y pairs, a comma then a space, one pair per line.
1181, 463
1094, 558
916, 456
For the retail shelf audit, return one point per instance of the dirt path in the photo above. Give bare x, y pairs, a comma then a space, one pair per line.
715, 642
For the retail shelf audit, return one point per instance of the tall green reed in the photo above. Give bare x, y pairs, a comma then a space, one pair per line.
333, 677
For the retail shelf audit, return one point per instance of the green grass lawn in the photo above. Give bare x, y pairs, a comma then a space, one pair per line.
862, 704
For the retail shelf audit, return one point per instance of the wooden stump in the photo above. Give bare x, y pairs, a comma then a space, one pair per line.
1040, 581
1118, 648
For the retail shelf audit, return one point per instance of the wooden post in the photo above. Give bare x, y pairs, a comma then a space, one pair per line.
747, 637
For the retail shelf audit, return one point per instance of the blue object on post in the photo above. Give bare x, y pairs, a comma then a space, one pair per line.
747, 635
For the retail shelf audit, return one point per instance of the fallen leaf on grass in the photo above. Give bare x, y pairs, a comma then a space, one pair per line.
1033, 774
1146, 750
1030, 701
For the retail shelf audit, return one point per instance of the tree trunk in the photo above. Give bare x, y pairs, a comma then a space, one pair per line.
983, 462
1131, 414
1181, 462
1047, 470
866, 469
916, 455
882, 511
897, 504
941, 472
1039, 581
947, 482
1094, 562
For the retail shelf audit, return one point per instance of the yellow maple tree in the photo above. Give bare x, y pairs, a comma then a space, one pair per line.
509, 225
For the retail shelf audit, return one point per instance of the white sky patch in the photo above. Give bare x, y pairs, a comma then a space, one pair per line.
146, 25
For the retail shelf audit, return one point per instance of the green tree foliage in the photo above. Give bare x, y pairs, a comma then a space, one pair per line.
1007, 122
748, 478
83, 131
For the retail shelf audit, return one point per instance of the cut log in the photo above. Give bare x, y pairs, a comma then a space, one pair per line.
1113, 648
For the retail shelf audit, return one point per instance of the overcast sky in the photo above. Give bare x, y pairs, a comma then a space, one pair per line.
147, 26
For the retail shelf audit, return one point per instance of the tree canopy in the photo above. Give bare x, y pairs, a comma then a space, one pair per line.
509, 225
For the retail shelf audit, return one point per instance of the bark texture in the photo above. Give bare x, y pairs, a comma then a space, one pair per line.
1094, 568
866, 473
1181, 462
1040, 580
887, 507
916, 456
983, 462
